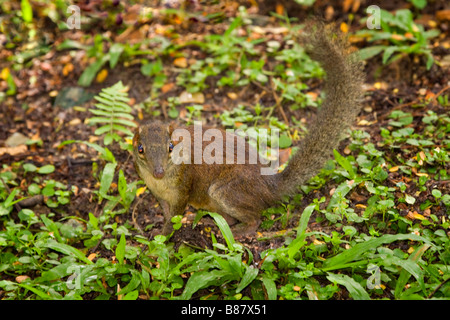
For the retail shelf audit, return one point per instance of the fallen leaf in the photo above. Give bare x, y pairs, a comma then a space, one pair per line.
180, 62
4, 74
140, 191
232, 95
187, 97
393, 169
398, 37
279, 9
313, 95
46, 66
16, 139
21, 279
414, 215
14, 150
443, 15
92, 256
167, 87
75, 122
68, 68
101, 76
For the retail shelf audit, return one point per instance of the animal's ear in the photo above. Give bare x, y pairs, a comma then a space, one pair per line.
136, 137
171, 127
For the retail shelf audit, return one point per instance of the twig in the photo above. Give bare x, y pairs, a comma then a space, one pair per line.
438, 287
439, 93
277, 99
278, 102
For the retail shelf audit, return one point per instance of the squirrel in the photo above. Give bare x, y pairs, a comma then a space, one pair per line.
239, 191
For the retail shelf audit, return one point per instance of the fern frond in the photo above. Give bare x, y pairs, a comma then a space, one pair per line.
113, 111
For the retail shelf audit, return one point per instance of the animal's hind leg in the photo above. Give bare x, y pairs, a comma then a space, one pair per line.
236, 206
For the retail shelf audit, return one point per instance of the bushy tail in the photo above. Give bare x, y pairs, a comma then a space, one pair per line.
343, 89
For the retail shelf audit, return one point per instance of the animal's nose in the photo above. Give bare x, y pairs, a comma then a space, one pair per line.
158, 173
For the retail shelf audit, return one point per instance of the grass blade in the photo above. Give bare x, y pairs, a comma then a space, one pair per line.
354, 288
358, 250
222, 224
67, 250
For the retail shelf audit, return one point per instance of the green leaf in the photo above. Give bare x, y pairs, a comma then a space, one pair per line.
27, 11
133, 295
107, 178
9, 200
355, 253
271, 287
105, 153
410, 267
114, 54
46, 169
342, 190
133, 284
354, 288
249, 275
67, 250
203, 279
284, 141
388, 53
296, 244
221, 223
90, 72
235, 24
120, 249
344, 163
51, 226
367, 53
29, 167
38, 292
71, 44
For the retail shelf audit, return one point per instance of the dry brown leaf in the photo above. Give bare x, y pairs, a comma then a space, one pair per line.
180, 62
13, 150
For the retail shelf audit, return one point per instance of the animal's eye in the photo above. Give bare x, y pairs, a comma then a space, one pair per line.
170, 147
140, 149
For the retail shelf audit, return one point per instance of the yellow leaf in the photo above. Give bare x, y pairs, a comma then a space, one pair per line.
180, 62
140, 191
279, 9
393, 169
418, 216
397, 37
101, 76
4, 74
232, 95
68, 68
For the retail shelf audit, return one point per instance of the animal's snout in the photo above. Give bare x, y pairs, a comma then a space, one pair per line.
158, 173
